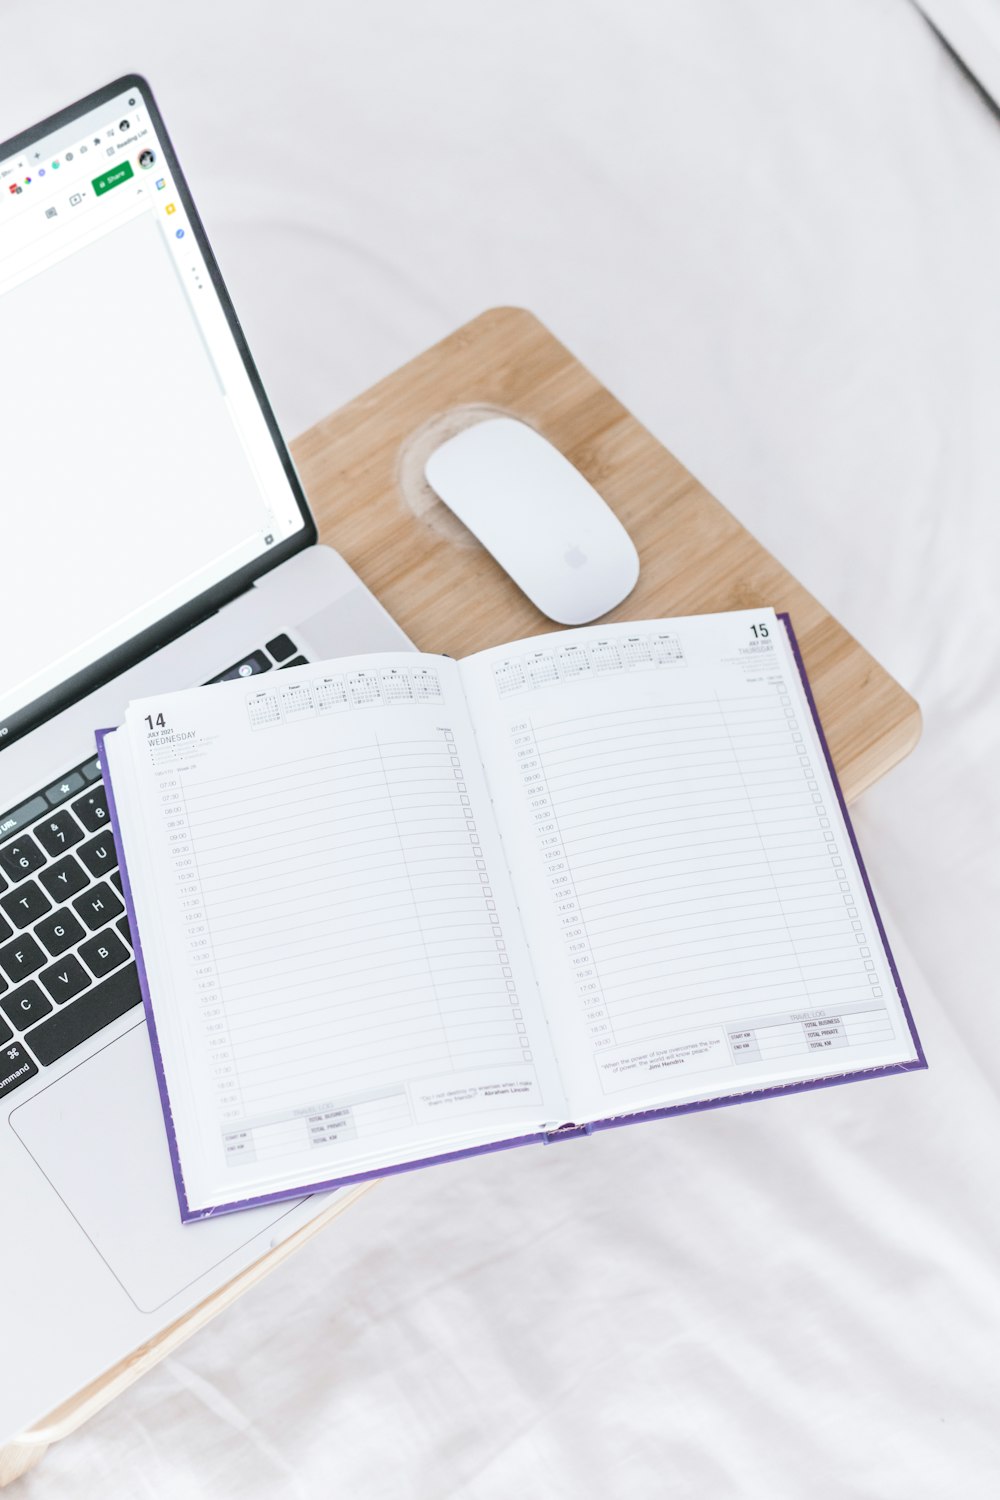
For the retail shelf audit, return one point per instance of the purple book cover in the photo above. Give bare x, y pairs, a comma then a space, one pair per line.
190, 1215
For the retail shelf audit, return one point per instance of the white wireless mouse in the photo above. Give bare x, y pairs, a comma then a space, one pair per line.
538, 516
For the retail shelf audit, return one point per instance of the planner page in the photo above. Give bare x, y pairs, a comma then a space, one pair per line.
696, 915
333, 953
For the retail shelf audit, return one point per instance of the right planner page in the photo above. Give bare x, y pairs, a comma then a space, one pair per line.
690, 887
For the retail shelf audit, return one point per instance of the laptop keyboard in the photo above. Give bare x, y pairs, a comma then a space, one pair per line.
66, 964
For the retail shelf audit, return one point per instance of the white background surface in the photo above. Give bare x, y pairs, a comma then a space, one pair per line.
773, 229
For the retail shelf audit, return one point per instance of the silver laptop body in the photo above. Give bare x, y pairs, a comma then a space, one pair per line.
154, 536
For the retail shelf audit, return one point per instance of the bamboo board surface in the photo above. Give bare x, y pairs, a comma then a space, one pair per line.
362, 468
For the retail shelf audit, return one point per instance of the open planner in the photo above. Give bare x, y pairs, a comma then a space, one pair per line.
394, 909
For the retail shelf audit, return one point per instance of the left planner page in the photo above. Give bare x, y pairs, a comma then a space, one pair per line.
332, 951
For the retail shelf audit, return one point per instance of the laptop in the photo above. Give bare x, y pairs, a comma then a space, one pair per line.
155, 536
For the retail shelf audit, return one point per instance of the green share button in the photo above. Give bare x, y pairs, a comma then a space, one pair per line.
111, 179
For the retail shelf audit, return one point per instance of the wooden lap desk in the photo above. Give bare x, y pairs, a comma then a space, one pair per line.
362, 470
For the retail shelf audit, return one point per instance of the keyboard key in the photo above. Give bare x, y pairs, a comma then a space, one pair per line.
78, 1022
124, 928
5, 929
21, 957
297, 661
92, 770
64, 878
59, 833
59, 932
99, 855
21, 857
251, 666
104, 953
281, 648
97, 906
92, 810
5, 1032
16, 1067
19, 817
66, 979
65, 788
25, 903
24, 1006
116, 879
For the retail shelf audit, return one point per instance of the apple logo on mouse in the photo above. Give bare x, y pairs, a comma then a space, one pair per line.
574, 557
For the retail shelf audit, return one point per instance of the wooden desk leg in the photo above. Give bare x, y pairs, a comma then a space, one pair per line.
17, 1458
24, 1451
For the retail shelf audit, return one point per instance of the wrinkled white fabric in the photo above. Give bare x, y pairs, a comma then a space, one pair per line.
773, 229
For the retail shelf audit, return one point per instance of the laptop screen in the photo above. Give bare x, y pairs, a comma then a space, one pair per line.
141, 467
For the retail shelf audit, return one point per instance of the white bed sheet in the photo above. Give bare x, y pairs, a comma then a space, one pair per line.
773, 229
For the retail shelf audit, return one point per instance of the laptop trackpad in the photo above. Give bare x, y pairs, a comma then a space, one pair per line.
98, 1136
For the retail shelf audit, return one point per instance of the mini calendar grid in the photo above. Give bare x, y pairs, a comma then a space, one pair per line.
537, 669
286, 702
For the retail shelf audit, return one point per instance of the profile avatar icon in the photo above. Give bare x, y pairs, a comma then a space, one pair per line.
146, 159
